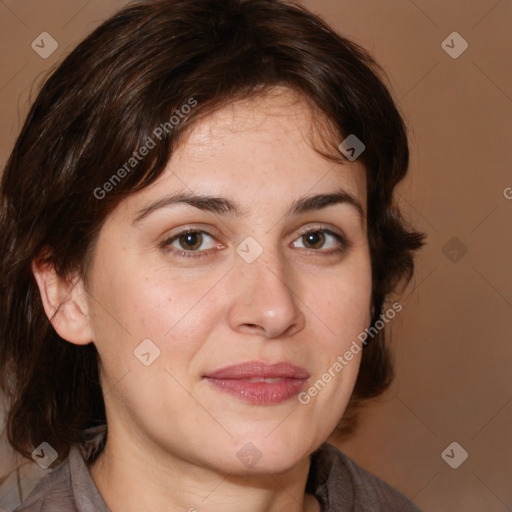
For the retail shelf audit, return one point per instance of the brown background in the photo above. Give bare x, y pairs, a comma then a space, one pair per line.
452, 340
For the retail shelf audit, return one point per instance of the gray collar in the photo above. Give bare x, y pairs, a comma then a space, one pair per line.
85, 492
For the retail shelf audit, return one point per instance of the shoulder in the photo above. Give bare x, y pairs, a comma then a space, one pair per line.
53, 492
69, 486
368, 492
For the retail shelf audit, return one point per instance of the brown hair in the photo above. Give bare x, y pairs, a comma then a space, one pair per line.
130, 76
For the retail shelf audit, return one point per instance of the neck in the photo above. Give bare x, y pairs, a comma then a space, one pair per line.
133, 475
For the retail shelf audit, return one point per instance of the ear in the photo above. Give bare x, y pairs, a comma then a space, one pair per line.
65, 303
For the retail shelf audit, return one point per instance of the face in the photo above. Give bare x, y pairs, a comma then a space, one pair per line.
183, 294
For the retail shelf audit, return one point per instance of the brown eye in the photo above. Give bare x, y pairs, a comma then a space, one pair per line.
192, 240
314, 239
317, 239
190, 243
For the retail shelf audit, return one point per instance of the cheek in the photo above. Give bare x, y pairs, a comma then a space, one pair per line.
168, 308
344, 302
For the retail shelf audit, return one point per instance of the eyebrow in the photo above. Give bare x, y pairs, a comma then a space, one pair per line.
221, 205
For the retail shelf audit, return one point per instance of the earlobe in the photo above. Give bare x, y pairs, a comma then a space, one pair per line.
65, 303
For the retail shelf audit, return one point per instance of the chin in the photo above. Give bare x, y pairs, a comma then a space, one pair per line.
261, 454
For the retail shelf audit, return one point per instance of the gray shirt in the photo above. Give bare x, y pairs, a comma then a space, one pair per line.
338, 483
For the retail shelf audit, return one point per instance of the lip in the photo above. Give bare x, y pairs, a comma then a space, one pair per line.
240, 381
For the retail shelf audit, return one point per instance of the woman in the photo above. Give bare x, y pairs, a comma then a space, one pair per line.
200, 236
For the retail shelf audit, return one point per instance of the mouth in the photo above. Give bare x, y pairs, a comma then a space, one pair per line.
258, 382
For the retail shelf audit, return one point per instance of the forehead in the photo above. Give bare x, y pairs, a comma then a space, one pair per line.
279, 118
258, 151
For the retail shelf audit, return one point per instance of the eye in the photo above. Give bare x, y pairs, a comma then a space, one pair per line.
316, 239
192, 241
196, 243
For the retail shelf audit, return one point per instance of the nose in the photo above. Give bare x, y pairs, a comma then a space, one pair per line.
265, 302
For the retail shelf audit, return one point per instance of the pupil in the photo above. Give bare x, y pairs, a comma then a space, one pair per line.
189, 239
315, 238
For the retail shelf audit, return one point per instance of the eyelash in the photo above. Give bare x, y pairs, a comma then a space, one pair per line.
345, 244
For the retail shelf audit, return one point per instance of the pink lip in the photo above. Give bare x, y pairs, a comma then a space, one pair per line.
236, 381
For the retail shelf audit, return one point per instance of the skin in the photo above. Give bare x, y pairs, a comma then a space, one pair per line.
173, 438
